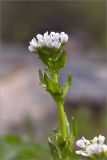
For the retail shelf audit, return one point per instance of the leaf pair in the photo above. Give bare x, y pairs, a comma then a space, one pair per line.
54, 88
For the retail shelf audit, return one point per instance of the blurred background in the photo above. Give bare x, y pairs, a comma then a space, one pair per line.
25, 108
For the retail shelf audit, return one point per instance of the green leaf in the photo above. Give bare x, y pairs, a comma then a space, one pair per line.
54, 150
73, 131
48, 55
52, 86
67, 125
67, 85
41, 77
44, 56
51, 52
52, 57
60, 61
65, 147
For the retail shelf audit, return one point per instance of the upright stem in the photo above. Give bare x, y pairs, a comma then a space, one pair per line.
61, 113
55, 77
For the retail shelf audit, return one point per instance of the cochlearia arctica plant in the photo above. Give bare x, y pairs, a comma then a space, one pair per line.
50, 49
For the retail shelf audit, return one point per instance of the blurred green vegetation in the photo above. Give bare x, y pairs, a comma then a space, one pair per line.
21, 147
23, 19
90, 124
15, 147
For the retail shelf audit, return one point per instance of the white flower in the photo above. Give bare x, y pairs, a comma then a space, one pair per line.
95, 140
52, 40
96, 149
55, 44
92, 147
31, 48
64, 37
87, 142
81, 152
34, 42
80, 143
99, 139
55, 36
47, 39
41, 41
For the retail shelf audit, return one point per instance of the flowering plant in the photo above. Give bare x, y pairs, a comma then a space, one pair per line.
94, 149
50, 50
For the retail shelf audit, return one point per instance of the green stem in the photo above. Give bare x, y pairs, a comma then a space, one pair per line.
55, 77
62, 120
61, 113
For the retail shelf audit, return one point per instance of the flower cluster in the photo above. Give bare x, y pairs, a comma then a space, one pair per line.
52, 40
92, 147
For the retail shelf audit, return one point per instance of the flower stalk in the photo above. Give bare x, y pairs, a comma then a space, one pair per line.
50, 50
61, 113
62, 121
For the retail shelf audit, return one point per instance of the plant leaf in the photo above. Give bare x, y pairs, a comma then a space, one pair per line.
43, 56
54, 150
41, 77
73, 131
52, 87
67, 85
60, 62
67, 125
